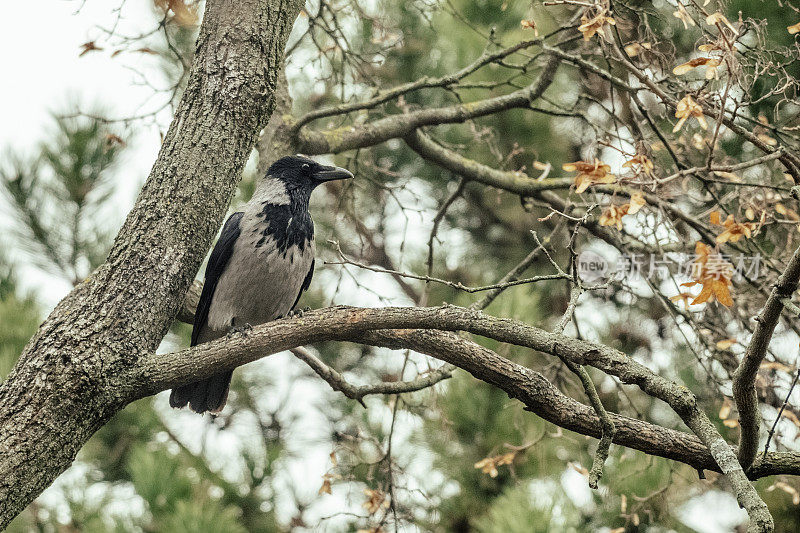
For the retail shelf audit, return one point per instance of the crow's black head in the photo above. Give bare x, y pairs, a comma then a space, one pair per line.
299, 173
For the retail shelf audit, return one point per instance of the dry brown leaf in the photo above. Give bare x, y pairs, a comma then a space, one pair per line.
734, 231
683, 15
718, 18
612, 216
687, 108
589, 174
376, 499
788, 489
727, 175
489, 465
590, 26
531, 25
725, 410
326, 485
88, 47
711, 64
766, 139
640, 163
725, 344
791, 416
634, 49
785, 211
682, 297
637, 202
112, 140
579, 468
698, 141
182, 14
713, 273
774, 365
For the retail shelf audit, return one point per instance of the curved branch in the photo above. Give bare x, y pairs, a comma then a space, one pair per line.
422, 83
356, 392
380, 327
515, 182
313, 142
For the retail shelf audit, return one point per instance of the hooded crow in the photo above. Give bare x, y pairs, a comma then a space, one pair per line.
261, 264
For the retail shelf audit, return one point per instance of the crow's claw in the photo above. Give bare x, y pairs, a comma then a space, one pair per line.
242, 330
297, 312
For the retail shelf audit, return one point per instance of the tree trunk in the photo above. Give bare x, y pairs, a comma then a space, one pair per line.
61, 391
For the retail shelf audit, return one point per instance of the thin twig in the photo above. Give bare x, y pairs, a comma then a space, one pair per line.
358, 392
455, 284
437, 219
780, 411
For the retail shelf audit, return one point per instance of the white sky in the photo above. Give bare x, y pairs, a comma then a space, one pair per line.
40, 44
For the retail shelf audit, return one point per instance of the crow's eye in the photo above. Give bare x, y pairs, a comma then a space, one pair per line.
305, 167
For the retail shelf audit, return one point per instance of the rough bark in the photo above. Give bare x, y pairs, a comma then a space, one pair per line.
379, 327
65, 384
276, 139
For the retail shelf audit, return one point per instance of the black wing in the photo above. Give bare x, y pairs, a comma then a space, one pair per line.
306, 284
220, 256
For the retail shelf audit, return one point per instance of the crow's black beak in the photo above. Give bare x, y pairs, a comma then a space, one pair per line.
332, 173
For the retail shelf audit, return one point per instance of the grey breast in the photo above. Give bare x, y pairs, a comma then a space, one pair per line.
260, 283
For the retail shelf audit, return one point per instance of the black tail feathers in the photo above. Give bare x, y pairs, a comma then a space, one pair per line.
208, 395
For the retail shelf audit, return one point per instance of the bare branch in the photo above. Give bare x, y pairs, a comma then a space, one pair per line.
422, 83
354, 392
744, 391
386, 327
454, 284
314, 142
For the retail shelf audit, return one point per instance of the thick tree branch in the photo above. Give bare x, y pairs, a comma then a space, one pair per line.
369, 326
